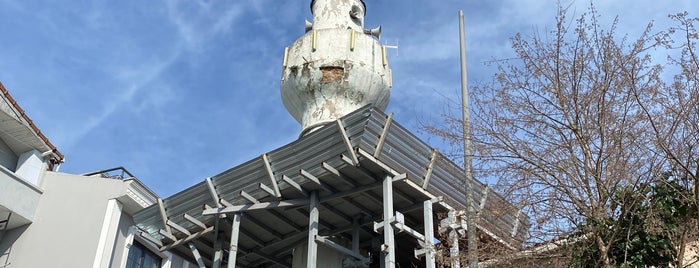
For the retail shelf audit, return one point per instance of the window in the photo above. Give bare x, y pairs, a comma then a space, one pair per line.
141, 257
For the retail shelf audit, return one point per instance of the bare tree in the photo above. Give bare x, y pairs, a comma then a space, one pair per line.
673, 114
563, 128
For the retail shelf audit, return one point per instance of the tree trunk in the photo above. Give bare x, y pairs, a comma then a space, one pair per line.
603, 252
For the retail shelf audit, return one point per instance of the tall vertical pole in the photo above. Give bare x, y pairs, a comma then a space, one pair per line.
233, 245
429, 234
313, 222
389, 247
471, 231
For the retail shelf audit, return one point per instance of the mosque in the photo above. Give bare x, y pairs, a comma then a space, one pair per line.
356, 189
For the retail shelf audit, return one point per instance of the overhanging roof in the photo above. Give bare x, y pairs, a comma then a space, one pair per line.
345, 162
20, 132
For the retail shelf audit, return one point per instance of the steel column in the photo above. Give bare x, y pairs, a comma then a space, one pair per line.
313, 227
389, 246
197, 256
233, 246
355, 235
429, 235
454, 237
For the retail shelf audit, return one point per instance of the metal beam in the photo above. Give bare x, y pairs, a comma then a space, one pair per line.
274, 213
233, 245
339, 248
187, 239
264, 226
349, 182
197, 255
294, 185
163, 215
516, 225
270, 173
483, 199
266, 188
212, 191
330, 169
312, 247
428, 173
248, 207
195, 221
309, 176
384, 133
401, 227
345, 138
346, 159
296, 202
178, 227
150, 238
249, 197
167, 235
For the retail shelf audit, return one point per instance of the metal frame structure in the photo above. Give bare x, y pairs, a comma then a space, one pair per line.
362, 186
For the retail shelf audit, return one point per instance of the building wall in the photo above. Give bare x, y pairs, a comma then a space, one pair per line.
78, 223
8, 158
68, 222
122, 242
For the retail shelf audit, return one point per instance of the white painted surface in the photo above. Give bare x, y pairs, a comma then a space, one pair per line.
110, 224
30, 166
8, 158
19, 196
336, 14
334, 69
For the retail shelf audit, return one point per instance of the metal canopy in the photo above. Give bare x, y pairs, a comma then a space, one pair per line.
261, 209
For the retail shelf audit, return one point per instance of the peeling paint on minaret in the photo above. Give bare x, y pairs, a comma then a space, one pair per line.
336, 67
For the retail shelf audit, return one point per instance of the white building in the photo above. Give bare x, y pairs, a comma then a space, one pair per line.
53, 219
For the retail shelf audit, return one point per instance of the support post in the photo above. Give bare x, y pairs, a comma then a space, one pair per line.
233, 246
355, 235
218, 251
313, 227
454, 237
429, 235
470, 219
197, 256
389, 246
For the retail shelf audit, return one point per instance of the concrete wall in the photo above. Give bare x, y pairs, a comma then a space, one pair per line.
122, 241
30, 166
78, 223
68, 222
19, 196
8, 158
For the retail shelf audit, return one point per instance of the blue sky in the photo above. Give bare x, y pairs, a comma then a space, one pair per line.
177, 91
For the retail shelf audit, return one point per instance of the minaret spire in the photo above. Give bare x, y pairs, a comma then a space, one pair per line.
336, 67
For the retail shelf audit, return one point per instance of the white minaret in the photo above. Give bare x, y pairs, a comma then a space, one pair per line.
336, 67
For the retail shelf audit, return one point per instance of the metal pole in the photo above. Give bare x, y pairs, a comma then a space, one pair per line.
233, 246
389, 249
313, 222
429, 234
471, 231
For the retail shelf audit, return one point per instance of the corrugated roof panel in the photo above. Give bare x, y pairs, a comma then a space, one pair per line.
276, 228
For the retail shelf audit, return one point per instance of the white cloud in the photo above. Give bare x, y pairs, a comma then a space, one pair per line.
135, 79
199, 22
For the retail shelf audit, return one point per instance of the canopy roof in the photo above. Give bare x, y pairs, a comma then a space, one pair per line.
345, 163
